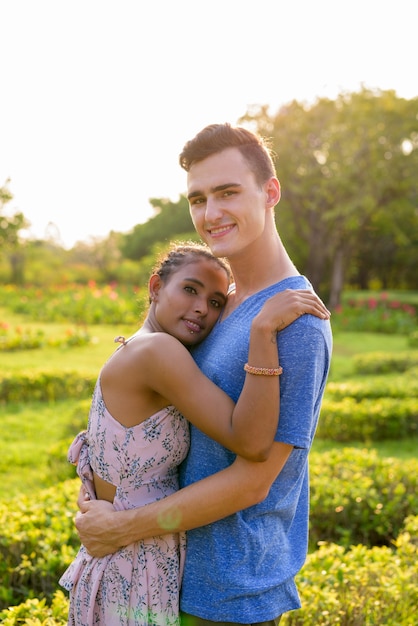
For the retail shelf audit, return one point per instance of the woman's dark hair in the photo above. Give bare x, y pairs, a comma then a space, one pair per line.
218, 137
183, 253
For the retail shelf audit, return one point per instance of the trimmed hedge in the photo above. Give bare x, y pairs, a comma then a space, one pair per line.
37, 542
384, 362
357, 587
394, 386
358, 497
45, 386
36, 612
361, 586
374, 409
368, 420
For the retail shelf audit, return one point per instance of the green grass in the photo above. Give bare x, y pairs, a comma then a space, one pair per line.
405, 449
346, 345
30, 433
87, 358
392, 294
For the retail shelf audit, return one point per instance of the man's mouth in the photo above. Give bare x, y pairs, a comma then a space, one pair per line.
220, 230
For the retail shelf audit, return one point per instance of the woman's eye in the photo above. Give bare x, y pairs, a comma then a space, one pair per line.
216, 304
190, 289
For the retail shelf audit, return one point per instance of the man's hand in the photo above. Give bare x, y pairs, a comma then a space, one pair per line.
94, 523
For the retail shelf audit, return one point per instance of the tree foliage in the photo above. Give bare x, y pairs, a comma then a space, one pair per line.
349, 208
349, 192
170, 219
10, 227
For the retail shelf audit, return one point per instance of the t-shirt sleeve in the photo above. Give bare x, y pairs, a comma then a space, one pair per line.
304, 356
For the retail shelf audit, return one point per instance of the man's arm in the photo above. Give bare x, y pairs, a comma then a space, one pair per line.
103, 530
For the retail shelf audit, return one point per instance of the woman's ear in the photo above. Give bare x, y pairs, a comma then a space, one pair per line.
154, 286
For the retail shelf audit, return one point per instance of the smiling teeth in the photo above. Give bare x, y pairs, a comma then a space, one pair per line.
217, 231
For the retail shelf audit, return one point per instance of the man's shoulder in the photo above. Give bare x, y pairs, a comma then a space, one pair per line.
298, 281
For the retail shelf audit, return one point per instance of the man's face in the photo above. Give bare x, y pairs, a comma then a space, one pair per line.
228, 207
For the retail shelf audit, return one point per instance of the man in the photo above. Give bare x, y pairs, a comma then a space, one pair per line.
248, 522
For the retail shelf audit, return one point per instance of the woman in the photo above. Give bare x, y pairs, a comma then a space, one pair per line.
137, 435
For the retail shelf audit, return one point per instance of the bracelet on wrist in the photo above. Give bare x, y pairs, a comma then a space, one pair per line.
263, 371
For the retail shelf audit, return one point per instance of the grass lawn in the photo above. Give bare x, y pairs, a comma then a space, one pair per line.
87, 358
30, 432
347, 345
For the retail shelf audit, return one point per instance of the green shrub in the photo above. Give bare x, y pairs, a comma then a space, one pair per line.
413, 339
25, 338
357, 497
361, 586
377, 408
357, 587
393, 386
375, 314
45, 386
79, 304
384, 363
38, 541
36, 612
368, 419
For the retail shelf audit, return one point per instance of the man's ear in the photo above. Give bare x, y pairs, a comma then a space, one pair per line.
273, 192
154, 286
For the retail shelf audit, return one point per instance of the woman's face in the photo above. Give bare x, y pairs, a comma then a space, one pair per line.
189, 302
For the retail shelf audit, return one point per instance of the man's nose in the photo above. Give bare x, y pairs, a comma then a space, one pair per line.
213, 210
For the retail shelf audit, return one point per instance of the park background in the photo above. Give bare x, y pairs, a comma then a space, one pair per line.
346, 156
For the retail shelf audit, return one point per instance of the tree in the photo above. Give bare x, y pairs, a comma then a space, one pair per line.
170, 220
348, 173
10, 227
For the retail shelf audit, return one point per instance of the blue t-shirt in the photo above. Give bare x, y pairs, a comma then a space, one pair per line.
241, 569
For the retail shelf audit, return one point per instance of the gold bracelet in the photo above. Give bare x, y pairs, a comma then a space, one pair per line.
263, 371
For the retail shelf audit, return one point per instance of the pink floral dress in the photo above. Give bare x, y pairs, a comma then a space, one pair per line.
138, 585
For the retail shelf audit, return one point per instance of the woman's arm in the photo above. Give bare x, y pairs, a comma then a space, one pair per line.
248, 428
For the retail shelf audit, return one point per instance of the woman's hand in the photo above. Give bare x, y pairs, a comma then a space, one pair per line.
285, 307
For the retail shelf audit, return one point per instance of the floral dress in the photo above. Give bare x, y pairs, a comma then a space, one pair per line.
139, 584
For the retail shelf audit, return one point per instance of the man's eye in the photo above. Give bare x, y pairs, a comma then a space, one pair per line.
216, 304
196, 201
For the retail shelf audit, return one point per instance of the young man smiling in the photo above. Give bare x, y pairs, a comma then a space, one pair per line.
247, 521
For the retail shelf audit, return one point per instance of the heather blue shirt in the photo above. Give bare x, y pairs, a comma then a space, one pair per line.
241, 569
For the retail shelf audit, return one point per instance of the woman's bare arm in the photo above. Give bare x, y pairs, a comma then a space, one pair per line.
172, 372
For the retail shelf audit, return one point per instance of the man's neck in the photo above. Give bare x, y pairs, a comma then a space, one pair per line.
253, 274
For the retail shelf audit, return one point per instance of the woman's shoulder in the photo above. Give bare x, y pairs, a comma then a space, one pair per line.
155, 345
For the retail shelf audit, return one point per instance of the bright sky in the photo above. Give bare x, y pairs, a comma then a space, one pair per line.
98, 97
